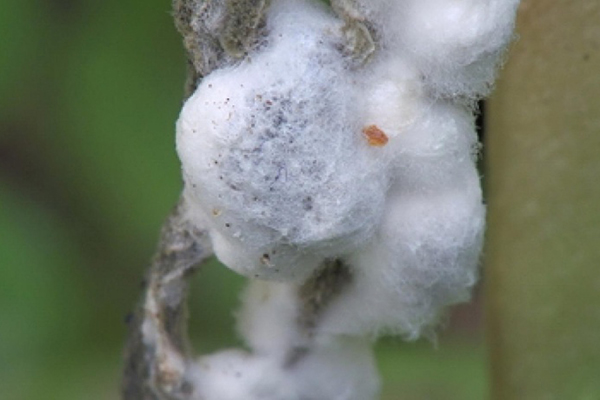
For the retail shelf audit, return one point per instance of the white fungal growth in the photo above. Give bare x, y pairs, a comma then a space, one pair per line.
273, 156
344, 370
297, 154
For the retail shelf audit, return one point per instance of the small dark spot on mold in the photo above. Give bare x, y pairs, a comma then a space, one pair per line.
227, 225
586, 57
307, 203
187, 388
265, 259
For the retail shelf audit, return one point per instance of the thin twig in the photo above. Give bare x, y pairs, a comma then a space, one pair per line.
157, 351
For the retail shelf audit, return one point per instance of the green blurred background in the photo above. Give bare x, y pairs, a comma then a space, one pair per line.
89, 93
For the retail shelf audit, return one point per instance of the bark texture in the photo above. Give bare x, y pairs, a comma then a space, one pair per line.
217, 33
157, 351
543, 152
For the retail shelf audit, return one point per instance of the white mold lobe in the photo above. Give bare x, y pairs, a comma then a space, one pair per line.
273, 157
297, 155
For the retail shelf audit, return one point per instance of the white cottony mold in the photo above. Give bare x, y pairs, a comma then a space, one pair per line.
340, 370
297, 155
455, 44
278, 165
267, 321
273, 155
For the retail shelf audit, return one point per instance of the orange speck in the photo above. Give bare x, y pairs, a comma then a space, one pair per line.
375, 136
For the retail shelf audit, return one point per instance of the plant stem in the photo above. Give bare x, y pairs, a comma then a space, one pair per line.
157, 350
543, 146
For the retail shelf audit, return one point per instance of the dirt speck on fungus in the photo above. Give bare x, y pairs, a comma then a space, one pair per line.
375, 136
266, 259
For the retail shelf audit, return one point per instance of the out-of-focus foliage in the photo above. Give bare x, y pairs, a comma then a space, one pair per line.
89, 92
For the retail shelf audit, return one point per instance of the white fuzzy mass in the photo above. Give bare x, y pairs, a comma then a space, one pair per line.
296, 155
273, 155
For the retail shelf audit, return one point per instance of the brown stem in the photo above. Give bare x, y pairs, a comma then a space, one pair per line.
217, 33
157, 351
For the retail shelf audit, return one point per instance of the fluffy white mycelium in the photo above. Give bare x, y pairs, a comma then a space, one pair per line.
297, 155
